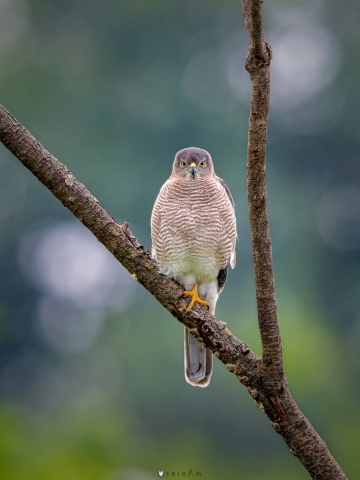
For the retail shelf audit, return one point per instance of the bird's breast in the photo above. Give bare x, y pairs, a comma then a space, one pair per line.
195, 228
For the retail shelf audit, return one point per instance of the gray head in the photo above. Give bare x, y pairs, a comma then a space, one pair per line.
192, 163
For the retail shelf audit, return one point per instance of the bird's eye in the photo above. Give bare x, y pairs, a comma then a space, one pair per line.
202, 164
183, 164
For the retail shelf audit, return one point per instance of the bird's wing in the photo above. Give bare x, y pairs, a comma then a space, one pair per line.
222, 278
227, 191
232, 259
156, 222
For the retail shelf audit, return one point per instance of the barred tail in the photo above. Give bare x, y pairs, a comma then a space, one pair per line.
198, 361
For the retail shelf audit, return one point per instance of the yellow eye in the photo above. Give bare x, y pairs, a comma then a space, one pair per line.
183, 164
202, 164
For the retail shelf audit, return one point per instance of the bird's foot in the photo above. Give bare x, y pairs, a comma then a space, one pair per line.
194, 298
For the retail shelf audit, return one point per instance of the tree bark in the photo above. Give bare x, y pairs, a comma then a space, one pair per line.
263, 378
258, 65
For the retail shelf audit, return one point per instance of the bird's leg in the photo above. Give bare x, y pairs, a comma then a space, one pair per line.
194, 297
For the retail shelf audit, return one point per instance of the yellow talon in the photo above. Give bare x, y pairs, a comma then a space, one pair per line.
194, 297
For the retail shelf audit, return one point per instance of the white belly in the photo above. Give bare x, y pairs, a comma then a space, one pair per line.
180, 266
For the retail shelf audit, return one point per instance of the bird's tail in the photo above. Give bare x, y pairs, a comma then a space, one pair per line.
198, 361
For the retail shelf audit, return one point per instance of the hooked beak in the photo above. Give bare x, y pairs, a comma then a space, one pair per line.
193, 169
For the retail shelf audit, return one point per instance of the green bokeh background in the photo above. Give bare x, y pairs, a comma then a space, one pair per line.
91, 378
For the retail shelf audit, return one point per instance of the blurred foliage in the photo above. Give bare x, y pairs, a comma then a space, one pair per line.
91, 367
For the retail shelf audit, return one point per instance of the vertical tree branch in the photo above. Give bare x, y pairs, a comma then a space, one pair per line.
258, 66
302, 439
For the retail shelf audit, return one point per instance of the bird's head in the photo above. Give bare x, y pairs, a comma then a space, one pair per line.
192, 163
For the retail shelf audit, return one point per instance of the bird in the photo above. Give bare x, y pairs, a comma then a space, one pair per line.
193, 233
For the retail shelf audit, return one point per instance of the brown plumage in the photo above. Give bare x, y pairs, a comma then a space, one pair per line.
193, 230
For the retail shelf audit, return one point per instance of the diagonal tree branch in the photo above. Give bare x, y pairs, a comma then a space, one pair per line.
119, 240
263, 378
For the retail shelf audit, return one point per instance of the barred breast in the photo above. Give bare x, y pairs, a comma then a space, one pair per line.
193, 227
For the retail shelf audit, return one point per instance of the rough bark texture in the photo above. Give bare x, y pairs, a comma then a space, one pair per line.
258, 65
263, 378
303, 440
